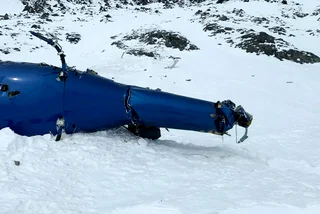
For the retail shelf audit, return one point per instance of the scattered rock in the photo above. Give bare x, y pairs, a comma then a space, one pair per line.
44, 16
106, 18
239, 12
5, 51
6, 17
263, 43
73, 38
279, 30
36, 26
141, 52
215, 29
223, 18
260, 20
38, 6
300, 15
298, 56
221, 1
120, 44
169, 39
316, 12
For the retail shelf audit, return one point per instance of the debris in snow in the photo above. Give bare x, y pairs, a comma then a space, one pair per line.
17, 163
175, 61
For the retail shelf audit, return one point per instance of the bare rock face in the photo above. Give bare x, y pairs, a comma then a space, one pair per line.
36, 6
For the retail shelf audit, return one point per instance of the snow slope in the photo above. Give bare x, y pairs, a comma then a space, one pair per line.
276, 170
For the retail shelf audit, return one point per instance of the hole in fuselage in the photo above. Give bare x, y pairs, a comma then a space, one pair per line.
13, 93
4, 87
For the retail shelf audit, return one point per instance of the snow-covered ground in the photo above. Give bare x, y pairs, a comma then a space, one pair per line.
276, 170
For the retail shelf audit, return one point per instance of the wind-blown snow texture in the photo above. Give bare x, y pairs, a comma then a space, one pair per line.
276, 170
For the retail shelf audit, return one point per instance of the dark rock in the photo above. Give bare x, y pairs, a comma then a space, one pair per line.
141, 52
168, 38
5, 51
120, 45
106, 18
73, 37
263, 43
284, 2
316, 12
279, 30
198, 12
260, 20
223, 18
239, 12
14, 34
16, 49
17, 163
300, 15
36, 26
6, 17
221, 1
215, 29
44, 16
38, 6
298, 56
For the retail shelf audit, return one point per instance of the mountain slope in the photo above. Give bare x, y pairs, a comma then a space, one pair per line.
277, 169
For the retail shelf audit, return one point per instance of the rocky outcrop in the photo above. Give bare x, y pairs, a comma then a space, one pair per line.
73, 38
263, 43
153, 38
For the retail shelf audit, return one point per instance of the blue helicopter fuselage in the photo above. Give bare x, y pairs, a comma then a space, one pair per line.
33, 98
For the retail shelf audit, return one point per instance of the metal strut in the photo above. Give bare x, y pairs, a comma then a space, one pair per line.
244, 137
63, 74
60, 124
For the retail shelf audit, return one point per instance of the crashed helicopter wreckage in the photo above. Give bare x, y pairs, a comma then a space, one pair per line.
38, 99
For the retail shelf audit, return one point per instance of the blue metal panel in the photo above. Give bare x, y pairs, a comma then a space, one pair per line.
94, 103
161, 109
35, 109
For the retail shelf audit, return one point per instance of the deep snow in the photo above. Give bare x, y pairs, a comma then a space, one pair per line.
276, 170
